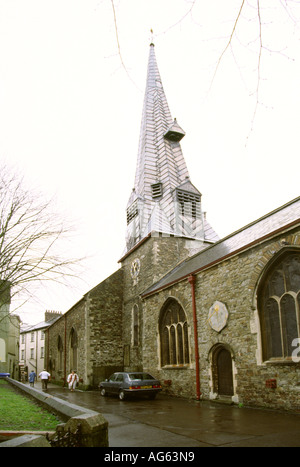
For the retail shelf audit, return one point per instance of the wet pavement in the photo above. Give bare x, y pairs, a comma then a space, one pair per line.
176, 422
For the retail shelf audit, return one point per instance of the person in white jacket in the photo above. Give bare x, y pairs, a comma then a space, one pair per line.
45, 377
72, 379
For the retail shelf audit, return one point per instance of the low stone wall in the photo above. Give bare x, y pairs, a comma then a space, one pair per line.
26, 441
94, 427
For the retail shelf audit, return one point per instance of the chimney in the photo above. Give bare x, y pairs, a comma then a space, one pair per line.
50, 315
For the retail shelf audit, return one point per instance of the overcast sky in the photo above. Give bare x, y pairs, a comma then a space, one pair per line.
70, 111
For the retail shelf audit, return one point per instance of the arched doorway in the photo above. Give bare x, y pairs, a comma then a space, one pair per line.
222, 371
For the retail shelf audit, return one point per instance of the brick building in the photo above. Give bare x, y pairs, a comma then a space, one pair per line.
211, 318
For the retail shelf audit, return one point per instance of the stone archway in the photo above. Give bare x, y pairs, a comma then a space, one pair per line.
222, 371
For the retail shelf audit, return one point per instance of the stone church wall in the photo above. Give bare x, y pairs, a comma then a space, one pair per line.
156, 256
232, 282
58, 362
179, 380
97, 323
107, 339
106, 331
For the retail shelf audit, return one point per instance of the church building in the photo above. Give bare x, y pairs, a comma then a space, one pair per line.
211, 318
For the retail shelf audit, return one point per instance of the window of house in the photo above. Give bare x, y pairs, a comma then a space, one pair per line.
32, 337
31, 353
42, 352
279, 304
42, 335
174, 341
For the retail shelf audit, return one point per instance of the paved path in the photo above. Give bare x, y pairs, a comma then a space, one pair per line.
175, 422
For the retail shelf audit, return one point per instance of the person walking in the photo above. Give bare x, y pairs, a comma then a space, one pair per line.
72, 379
45, 377
32, 376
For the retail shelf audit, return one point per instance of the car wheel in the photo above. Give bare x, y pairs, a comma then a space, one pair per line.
102, 392
122, 395
152, 396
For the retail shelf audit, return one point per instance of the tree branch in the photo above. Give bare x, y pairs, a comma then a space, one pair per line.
229, 42
30, 237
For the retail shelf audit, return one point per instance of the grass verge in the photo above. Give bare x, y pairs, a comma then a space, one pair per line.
19, 413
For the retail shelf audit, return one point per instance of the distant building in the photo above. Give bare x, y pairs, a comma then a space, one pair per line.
9, 335
32, 345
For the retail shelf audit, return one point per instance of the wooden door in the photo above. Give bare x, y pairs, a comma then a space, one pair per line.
224, 368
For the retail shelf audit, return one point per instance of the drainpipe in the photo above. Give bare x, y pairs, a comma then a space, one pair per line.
65, 352
192, 281
48, 350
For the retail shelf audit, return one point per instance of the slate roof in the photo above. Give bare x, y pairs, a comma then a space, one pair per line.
41, 325
160, 161
282, 218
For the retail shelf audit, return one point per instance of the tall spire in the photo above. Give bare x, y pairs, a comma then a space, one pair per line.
163, 199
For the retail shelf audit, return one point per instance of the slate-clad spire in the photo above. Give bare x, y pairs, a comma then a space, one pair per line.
163, 199
154, 150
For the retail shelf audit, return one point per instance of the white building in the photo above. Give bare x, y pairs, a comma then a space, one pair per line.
9, 345
32, 345
9, 334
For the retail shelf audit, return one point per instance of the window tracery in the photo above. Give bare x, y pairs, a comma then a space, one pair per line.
279, 305
174, 335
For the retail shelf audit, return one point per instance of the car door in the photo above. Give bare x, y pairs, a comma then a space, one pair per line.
110, 384
119, 383
115, 383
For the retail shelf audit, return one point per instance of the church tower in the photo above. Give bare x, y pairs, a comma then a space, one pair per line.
165, 222
163, 201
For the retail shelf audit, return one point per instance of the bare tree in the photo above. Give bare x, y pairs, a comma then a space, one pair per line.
31, 240
258, 17
246, 36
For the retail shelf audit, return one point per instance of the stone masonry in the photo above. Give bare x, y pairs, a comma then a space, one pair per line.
96, 321
234, 282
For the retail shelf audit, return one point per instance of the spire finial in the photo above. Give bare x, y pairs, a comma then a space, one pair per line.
151, 37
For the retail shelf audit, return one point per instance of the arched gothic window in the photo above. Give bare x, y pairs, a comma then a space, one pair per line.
135, 325
60, 349
173, 329
279, 304
73, 349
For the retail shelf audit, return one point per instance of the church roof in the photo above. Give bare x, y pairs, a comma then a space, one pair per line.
271, 224
160, 171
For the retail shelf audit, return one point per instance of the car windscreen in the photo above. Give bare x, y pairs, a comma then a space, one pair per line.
139, 376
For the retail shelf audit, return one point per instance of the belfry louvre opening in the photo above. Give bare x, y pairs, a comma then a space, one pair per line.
156, 190
189, 204
132, 212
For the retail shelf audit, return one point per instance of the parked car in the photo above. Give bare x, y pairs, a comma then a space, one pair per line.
130, 384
